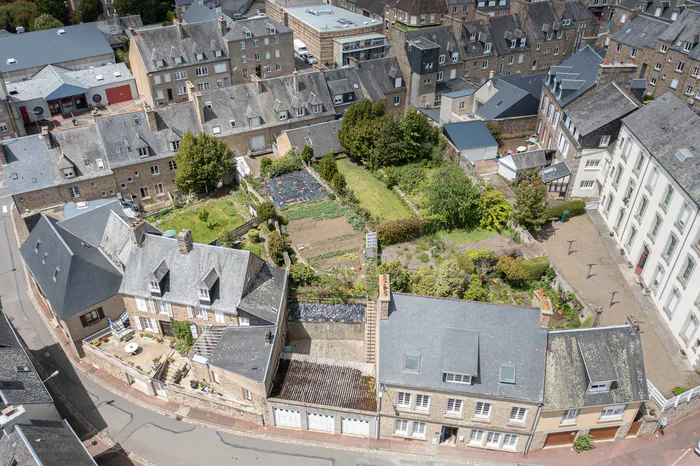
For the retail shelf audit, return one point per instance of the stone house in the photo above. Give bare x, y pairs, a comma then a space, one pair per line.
414, 14
321, 137
595, 384
164, 58
666, 12
487, 398
382, 80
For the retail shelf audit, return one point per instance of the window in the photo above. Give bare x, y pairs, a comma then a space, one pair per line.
300, 112
92, 316
569, 416
257, 57
653, 178
690, 327
397, 100
598, 387
476, 437
441, 59
201, 71
155, 170
220, 68
244, 59
483, 410
511, 59
55, 273
679, 66
627, 149
486, 64
4, 128
492, 439
418, 429
683, 217
244, 321
411, 363
199, 56
145, 193
159, 189
487, 47
633, 53
663, 48
631, 237
674, 83
278, 66
518, 414
439, 76
318, 108
143, 152
510, 441
74, 192
268, 67
216, 129
612, 412
454, 406
672, 302
401, 427
283, 115
592, 163
422, 402
587, 184
652, 81
458, 378
507, 374
427, 81
156, 79
657, 67
618, 175
403, 400
688, 270
247, 395
658, 277
667, 197
180, 75
604, 141
643, 204
689, 90
277, 40
182, 90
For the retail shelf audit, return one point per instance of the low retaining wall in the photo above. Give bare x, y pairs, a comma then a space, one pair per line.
118, 369
325, 331
211, 403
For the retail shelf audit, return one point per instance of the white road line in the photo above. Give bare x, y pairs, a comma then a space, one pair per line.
4, 209
6, 195
3, 184
676, 462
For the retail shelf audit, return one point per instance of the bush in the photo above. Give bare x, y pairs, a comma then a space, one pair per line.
228, 239
512, 269
476, 291
575, 208
182, 331
331, 196
327, 167
254, 236
203, 215
391, 177
276, 246
282, 165
398, 276
678, 390
338, 183
302, 274
536, 267
480, 255
402, 230
423, 258
583, 443
307, 154
265, 164
266, 211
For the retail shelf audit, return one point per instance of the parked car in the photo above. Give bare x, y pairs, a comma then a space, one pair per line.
697, 448
239, 17
310, 59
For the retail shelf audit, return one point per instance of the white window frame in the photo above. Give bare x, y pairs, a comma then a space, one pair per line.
401, 427
482, 410
518, 414
570, 416
403, 400
456, 404
612, 412
422, 402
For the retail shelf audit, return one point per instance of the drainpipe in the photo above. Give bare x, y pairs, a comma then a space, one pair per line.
532, 431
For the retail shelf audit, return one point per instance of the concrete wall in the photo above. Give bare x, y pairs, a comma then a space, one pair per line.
325, 331
337, 413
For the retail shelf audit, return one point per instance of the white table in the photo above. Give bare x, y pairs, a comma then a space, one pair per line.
521, 149
131, 348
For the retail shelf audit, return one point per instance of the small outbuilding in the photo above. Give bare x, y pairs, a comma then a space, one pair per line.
511, 165
472, 139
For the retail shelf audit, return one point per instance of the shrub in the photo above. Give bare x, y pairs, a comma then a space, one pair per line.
307, 154
678, 390
266, 211
480, 255
327, 167
391, 178
338, 183
228, 239
331, 196
536, 267
495, 209
423, 257
583, 443
265, 164
203, 215
465, 263
476, 291
282, 165
302, 274
402, 230
575, 208
276, 246
254, 236
182, 331
400, 278
512, 269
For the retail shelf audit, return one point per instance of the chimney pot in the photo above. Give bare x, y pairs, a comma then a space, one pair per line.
184, 241
384, 296
46, 136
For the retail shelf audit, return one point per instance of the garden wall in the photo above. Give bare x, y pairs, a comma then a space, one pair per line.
118, 369
325, 331
211, 403
518, 127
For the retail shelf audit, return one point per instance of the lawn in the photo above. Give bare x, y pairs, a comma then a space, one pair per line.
222, 216
464, 236
372, 193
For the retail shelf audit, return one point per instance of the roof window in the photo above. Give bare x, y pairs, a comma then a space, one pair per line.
216, 130
507, 374
11, 61
99, 77
411, 362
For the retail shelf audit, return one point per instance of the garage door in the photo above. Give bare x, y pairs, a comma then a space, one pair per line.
607, 433
354, 427
287, 418
556, 439
118, 94
322, 422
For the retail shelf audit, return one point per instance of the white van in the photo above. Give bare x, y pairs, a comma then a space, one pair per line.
300, 48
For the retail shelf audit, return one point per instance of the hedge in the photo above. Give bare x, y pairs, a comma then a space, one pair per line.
536, 267
575, 208
403, 229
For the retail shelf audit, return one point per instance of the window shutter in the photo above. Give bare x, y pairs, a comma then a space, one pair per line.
152, 305
189, 312
100, 313
138, 323
141, 305
154, 325
83, 320
169, 307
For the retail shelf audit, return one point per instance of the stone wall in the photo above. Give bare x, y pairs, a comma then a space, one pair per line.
518, 127
211, 403
684, 409
112, 308
118, 369
325, 331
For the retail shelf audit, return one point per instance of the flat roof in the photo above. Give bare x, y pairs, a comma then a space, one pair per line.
372, 35
330, 18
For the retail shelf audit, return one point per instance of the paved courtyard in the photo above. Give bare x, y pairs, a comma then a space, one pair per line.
664, 366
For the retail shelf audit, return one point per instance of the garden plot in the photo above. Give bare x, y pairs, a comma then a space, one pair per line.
294, 187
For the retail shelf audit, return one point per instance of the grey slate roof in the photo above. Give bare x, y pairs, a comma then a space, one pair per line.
322, 312
243, 351
405, 332
17, 387
528, 160
577, 357
517, 96
167, 42
684, 29
469, 134
418, 6
55, 443
554, 172
479, 29
31, 49
258, 27
650, 7
576, 75
665, 126
576, 10
505, 29
90, 225
246, 282
323, 137
442, 36
640, 32
600, 108
198, 13
537, 14
379, 77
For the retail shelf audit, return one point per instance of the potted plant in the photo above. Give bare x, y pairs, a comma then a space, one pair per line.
193, 384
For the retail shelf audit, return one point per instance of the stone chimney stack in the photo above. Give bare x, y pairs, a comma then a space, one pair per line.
295, 81
180, 29
268, 337
621, 73
541, 301
135, 228
150, 117
46, 136
222, 26
184, 241
384, 296
491, 74
258, 83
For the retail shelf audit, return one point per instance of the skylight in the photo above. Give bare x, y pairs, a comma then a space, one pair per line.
411, 362
507, 374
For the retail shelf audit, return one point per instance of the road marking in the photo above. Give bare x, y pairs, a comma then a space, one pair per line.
676, 462
4, 209
3, 184
6, 195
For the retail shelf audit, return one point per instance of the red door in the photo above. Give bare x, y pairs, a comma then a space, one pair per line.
119, 94
25, 115
642, 261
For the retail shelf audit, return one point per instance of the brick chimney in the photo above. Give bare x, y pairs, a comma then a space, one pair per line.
196, 97
541, 301
184, 241
136, 230
258, 83
384, 296
621, 73
46, 137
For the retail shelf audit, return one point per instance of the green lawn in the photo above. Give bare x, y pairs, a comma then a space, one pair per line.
222, 216
464, 236
372, 193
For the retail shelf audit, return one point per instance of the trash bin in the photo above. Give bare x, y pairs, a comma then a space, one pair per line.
564, 216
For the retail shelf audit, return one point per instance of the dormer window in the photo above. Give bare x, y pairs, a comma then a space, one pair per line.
206, 286
318, 108
456, 378
687, 47
487, 47
248, 34
300, 112
441, 59
68, 172
200, 56
599, 387
55, 273
398, 82
143, 152
455, 57
283, 115
218, 53
523, 41
43, 260
36, 248
160, 63
178, 60
154, 287
203, 294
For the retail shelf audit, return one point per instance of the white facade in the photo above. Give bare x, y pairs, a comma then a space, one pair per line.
657, 225
585, 183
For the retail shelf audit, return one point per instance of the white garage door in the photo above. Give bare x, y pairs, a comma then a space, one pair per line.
322, 422
355, 426
287, 418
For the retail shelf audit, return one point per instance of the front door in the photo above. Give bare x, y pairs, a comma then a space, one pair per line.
642, 261
170, 94
448, 435
167, 329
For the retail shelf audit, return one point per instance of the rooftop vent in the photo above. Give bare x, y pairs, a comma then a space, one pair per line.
99, 77
11, 61
60, 32
117, 74
24, 368
684, 154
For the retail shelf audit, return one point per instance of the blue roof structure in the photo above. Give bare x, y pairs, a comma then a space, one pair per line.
469, 135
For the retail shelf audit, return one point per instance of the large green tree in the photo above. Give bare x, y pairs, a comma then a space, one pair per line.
388, 144
531, 202
201, 162
453, 198
495, 209
16, 14
359, 129
55, 8
450, 281
46, 21
89, 10
151, 11
419, 136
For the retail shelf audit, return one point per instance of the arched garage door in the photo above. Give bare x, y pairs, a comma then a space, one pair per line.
119, 94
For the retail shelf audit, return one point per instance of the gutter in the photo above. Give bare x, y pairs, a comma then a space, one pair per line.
532, 431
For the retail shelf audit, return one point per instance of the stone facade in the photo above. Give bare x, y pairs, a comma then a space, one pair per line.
518, 127
435, 418
118, 369
275, 50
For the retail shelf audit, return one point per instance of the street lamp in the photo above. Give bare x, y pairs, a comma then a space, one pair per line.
50, 377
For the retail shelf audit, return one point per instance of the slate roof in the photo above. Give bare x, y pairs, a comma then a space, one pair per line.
554, 172
344, 81
376, 7
577, 357
504, 30
404, 333
517, 96
198, 13
258, 27
469, 135
325, 382
323, 137
322, 312
482, 35
379, 77
246, 282
538, 14
650, 7
665, 126
640, 32
600, 108
278, 94
86, 276
576, 75
418, 6
17, 387
576, 10
243, 351
114, 28
167, 42
442, 36
55, 443
686, 26
31, 49
528, 160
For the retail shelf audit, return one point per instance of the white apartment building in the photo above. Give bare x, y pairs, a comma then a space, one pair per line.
650, 199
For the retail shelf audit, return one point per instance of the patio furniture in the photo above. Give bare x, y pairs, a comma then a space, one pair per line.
521, 149
131, 348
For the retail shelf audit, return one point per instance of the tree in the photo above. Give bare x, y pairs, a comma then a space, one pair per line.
201, 162
56, 8
476, 291
512, 269
450, 281
531, 202
453, 198
151, 11
400, 278
302, 274
338, 183
328, 167
307, 154
90, 10
419, 135
266, 211
276, 246
495, 209
46, 21
424, 281
16, 14
388, 145
265, 164
360, 127
495, 130
182, 331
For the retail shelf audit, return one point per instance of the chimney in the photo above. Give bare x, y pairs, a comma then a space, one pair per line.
135, 233
268, 337
541, 301
295, 81
491, 74
180, 30
19, 29
222, 26
46, 136
196, 97
133, 32
150, 117
621, 73
184, 241
384, 296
